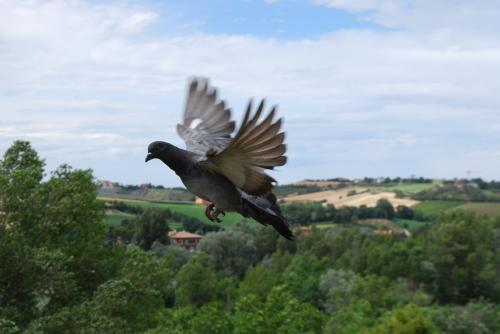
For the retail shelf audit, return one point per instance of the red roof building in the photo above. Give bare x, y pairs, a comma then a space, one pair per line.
185, 239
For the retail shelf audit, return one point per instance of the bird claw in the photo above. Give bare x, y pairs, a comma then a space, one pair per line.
212, 213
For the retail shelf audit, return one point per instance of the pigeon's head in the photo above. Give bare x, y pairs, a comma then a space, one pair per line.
157, 149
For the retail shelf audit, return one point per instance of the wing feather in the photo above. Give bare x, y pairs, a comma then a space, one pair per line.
255, 147
215, 126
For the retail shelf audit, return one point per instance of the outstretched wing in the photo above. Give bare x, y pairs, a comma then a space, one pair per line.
206, 127
256, 146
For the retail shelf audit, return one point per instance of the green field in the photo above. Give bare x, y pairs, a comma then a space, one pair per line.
324, 225
379, 223
191, 210
114, 219
411, 188
489, 209
435, 207
412, 224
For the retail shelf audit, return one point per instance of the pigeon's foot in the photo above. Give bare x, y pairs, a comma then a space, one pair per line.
212, 213
208, 210
215, 215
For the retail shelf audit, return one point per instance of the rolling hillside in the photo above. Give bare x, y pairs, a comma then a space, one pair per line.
351, 196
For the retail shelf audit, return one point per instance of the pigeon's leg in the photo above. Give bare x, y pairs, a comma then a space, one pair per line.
208, 211
215, 215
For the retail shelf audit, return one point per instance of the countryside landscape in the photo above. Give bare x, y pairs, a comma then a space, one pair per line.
371, 255
415, 202
249, 167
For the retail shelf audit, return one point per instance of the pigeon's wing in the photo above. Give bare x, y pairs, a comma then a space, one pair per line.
206, 127
256, 146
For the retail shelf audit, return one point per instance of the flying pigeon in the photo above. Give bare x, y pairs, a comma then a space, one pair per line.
227, 172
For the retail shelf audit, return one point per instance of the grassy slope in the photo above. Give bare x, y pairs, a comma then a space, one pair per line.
191, 210
489, 209
379, 223
435, 207
411, 187
114, 219
179, 195
412, 224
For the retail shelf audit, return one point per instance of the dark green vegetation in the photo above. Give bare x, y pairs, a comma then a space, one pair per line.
146, 192
185, 210
289, 189
435, 207
63, 271
409, 188
469, 192
489, 209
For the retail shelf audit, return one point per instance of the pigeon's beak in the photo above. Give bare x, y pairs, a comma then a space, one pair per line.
149, 157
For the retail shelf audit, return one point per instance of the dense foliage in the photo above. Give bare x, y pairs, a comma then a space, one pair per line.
315, 212
60, 273
131, 228
465, 192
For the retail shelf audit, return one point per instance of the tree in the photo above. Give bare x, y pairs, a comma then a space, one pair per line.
151, 226
21, 172
18, 277
71, 221
404, 212
259, 281
354, 318
406, 320
265, 238
385, 209
232, 251
476, 317
196, 282
336, 287
301, 277
464, 251
211, 318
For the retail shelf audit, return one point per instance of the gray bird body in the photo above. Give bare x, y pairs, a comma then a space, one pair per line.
212, 187
228, 172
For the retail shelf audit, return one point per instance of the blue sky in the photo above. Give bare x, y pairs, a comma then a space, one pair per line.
267, 19
366, 87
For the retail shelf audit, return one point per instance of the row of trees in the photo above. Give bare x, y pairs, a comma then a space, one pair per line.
308, 213
151, 224
60, 275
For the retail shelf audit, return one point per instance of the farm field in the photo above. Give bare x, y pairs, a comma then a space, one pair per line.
114, 219
435, 207
412, 224
411, 188
191, 210
380, 224
147, 194
489, 209
340, 197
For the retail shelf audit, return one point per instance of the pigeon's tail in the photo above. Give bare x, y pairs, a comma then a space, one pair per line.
265, 210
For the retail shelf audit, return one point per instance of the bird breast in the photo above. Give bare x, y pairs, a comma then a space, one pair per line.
214, 188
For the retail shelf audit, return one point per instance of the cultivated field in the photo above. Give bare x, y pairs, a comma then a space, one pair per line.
412, 225
347, 197
489, 209
317, 183
191, 210
411, 188
435, 207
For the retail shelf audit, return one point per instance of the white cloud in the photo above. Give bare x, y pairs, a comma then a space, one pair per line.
89, 86
446, 16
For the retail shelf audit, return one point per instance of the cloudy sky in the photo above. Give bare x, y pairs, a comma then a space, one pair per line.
366, 87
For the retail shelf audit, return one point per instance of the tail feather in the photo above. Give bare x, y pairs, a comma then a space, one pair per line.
265, 210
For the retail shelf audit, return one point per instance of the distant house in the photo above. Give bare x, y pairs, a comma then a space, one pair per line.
106, 184
185, 239
384, 231
199, 200
305, 230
